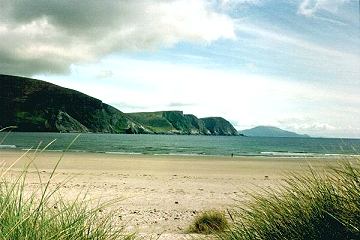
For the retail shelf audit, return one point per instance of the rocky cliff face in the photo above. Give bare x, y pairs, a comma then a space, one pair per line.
219, 126
171, 122
175, 122
65, 123
34, 105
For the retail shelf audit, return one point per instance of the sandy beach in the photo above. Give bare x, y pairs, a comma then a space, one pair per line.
160, 195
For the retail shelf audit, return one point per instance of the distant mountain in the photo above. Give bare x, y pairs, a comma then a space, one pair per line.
268, 131
35, 105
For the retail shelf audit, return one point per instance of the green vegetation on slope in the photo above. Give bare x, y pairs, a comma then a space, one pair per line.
170, 122
219, 126
154, 121
176, 122
38, 106
35, 105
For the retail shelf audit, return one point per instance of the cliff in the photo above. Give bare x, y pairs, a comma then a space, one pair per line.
171, 122
219, 126
35, 105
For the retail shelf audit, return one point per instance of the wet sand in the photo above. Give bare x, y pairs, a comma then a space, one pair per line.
161, 194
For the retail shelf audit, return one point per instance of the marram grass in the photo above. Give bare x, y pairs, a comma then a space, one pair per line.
207, 222
316, 206
42, 214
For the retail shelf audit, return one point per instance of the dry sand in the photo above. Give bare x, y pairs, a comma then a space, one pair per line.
162, 194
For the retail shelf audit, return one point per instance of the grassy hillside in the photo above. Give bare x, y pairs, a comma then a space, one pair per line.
35, 105
219, 126
39, 106
170, 122
154, 121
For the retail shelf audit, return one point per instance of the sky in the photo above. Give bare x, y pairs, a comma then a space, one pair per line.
293, 64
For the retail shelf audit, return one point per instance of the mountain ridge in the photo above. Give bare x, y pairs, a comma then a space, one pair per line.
270, 131
176, 122
36, 105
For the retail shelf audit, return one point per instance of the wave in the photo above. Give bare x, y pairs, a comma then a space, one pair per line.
183, 154
306, 154
278, 154
7, 146
123, 153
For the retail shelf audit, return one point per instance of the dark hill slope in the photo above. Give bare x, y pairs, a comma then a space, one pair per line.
219, 126
35, 105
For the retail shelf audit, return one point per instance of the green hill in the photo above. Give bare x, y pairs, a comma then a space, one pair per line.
219, 126
269, 131
170, 122
35, 105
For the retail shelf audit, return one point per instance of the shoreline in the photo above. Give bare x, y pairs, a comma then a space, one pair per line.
255, 155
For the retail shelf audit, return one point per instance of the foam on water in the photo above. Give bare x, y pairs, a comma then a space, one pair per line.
7, 146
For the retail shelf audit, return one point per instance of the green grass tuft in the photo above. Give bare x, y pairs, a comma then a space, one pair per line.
210, 221
43, 214
317, 206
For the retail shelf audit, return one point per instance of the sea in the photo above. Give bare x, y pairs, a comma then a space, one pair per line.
181, 144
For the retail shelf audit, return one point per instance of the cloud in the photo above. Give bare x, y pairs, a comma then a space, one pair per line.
320, 127
126, 107
231, 3
306, 125
105, 73
310, 7
342, 64
180, 104
48, 36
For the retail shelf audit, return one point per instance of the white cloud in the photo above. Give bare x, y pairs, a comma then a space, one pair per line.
231, 3
317, 127
310, 7
306, 125
49, 36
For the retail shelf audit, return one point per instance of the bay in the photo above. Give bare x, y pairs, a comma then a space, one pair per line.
184, 144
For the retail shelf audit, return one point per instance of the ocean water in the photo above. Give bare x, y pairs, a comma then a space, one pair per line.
184, 145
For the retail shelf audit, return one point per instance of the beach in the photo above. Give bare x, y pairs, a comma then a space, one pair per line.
159, 195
